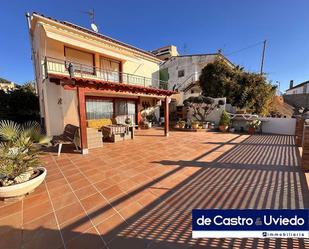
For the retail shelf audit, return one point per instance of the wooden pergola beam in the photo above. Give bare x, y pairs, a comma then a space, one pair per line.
82, 119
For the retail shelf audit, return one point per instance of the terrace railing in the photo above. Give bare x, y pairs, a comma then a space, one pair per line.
73, 69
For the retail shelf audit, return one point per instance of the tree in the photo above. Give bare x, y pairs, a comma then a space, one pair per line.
202, 106
20, 104
240, 88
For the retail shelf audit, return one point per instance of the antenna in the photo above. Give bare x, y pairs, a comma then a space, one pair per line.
91, 15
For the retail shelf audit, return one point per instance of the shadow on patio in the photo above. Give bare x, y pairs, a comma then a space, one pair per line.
259, 172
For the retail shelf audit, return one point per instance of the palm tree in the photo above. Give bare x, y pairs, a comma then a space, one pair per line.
18, 150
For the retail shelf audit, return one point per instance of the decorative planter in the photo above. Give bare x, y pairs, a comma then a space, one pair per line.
182, 126
223, 128
251, 131
195, 125
21, 189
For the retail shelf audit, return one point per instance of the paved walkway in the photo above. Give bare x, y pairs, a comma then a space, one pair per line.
139, 194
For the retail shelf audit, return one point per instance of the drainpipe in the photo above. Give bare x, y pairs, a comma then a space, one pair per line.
28, 19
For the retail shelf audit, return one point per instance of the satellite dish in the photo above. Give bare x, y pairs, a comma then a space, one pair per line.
94, 27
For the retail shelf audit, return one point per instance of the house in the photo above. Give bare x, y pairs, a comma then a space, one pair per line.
301, 88
182, 73
166, 52
82, 75
6, 85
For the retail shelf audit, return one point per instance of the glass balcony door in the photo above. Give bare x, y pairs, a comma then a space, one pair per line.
110, 69
124, 109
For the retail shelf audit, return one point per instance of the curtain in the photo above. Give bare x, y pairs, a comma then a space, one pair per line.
98, 109
110, 69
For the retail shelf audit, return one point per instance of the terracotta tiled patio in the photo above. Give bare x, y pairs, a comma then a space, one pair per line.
139, 193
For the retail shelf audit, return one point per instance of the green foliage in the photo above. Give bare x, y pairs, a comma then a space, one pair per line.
254, 124
18, 150
225, 119
14, 162
20, 105
241, 88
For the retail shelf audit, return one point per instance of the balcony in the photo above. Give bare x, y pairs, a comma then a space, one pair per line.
73, 69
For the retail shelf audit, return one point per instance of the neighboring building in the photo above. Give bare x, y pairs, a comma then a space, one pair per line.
165, 53
183, 72
7, 86
82, 75
302, 88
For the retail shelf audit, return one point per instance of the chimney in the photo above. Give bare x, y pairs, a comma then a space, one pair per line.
291, 83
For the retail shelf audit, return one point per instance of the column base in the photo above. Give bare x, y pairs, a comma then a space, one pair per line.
84, 151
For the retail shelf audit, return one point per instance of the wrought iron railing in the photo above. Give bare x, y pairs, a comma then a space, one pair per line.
73, 69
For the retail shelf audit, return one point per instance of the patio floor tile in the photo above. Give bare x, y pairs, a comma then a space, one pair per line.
139, 193
69, 212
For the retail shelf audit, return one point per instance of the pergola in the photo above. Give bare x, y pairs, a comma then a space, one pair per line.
88, 87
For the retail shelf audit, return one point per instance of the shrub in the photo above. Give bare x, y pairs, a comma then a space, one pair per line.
225, 118
254, 124
18, 151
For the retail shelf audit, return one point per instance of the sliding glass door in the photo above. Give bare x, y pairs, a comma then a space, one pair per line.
120, 109
110, 69
124, 109
99, 108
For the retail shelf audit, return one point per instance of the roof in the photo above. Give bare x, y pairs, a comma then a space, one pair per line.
113, 86
207, 54
104, 37
299, 85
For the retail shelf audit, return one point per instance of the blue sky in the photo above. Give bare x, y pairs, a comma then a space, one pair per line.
200, 26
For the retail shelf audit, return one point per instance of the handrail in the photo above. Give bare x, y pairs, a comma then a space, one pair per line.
185, 81
54, 65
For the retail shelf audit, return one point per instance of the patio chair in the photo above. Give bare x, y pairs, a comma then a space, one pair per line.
69, 136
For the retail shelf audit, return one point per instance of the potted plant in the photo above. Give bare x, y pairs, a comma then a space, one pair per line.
181, 124
150, 119
20, 166
224, 121
128, 121
195, 124
253, 126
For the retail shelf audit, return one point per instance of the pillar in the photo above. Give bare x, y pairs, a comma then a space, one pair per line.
166, 116
82, 119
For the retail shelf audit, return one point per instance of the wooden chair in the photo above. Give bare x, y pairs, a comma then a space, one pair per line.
69, 136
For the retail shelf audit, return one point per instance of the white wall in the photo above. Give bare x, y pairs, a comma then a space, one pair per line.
215, 115
192, 66
283, 126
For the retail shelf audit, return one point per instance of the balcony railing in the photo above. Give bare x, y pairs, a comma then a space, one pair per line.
73, 69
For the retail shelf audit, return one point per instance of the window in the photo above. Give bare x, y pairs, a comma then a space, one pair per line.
99, 108
82, 61
124, 109
110, 69
181, 73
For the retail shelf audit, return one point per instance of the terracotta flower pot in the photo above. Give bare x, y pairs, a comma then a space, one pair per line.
223, 128
195, 126
251, 131
182, 126
21, 189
